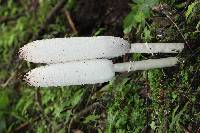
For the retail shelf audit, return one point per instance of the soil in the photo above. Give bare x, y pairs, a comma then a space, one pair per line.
90, 15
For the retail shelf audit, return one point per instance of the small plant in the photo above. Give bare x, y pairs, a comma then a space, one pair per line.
140, 11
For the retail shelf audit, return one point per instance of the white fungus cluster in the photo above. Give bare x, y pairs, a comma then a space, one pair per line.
78, 60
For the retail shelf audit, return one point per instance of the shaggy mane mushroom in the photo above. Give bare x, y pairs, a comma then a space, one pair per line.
59, 50
78, 60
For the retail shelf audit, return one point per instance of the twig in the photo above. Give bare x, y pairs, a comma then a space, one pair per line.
177, 28
71, 23
4, 19
50, 17
39, 103
164, 9
89, 108
84, 99
8, 80
193, 78
83, 112
198, 130
168, 16
26, 124
147, 102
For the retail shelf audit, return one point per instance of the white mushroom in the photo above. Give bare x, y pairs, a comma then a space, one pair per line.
74, 48
59, 50
76, 59
71, 73
89, 71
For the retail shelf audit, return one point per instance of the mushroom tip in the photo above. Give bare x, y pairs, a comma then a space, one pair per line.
24, 53
27, 78
21, 53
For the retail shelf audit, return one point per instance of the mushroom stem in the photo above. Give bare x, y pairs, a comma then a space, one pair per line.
156, 47
145, 64
88, 71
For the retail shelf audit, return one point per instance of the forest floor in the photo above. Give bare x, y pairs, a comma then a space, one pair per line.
158, 100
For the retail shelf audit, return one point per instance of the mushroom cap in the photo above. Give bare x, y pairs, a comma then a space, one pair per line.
60, 50
71, 73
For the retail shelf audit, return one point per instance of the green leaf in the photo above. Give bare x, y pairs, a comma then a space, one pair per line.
99, 31
144, 8
153, 125
57, 110
2, 125
91, 118
129, 22
4, 100
190, 9
71, 4
198, 26
140, 10
151, 3
138, 1
139, 17
76, 97
121, 121
176, 116
146, 35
